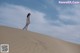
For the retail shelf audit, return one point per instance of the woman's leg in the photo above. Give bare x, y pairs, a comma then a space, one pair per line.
27, 23
26, 26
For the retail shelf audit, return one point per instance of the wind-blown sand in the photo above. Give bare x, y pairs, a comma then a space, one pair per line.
21, 41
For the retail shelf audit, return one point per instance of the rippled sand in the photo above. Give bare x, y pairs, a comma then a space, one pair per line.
21, 41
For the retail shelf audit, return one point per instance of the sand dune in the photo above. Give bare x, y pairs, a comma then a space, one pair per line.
21, 41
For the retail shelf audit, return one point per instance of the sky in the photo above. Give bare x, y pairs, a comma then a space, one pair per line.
48, 17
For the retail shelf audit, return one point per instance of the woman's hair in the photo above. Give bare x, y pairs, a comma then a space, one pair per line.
28, 14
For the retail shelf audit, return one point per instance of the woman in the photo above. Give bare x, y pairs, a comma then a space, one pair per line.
27, 21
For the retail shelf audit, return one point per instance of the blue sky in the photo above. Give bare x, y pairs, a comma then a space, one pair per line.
47, 17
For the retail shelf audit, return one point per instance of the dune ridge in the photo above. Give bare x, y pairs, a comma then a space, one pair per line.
21, 41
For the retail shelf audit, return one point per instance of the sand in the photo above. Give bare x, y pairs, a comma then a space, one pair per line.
21, 41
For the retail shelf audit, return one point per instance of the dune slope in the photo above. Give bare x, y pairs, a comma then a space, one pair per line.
21, 41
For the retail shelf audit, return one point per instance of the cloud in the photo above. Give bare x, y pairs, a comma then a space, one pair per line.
12, 15
15, 16
70, 14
